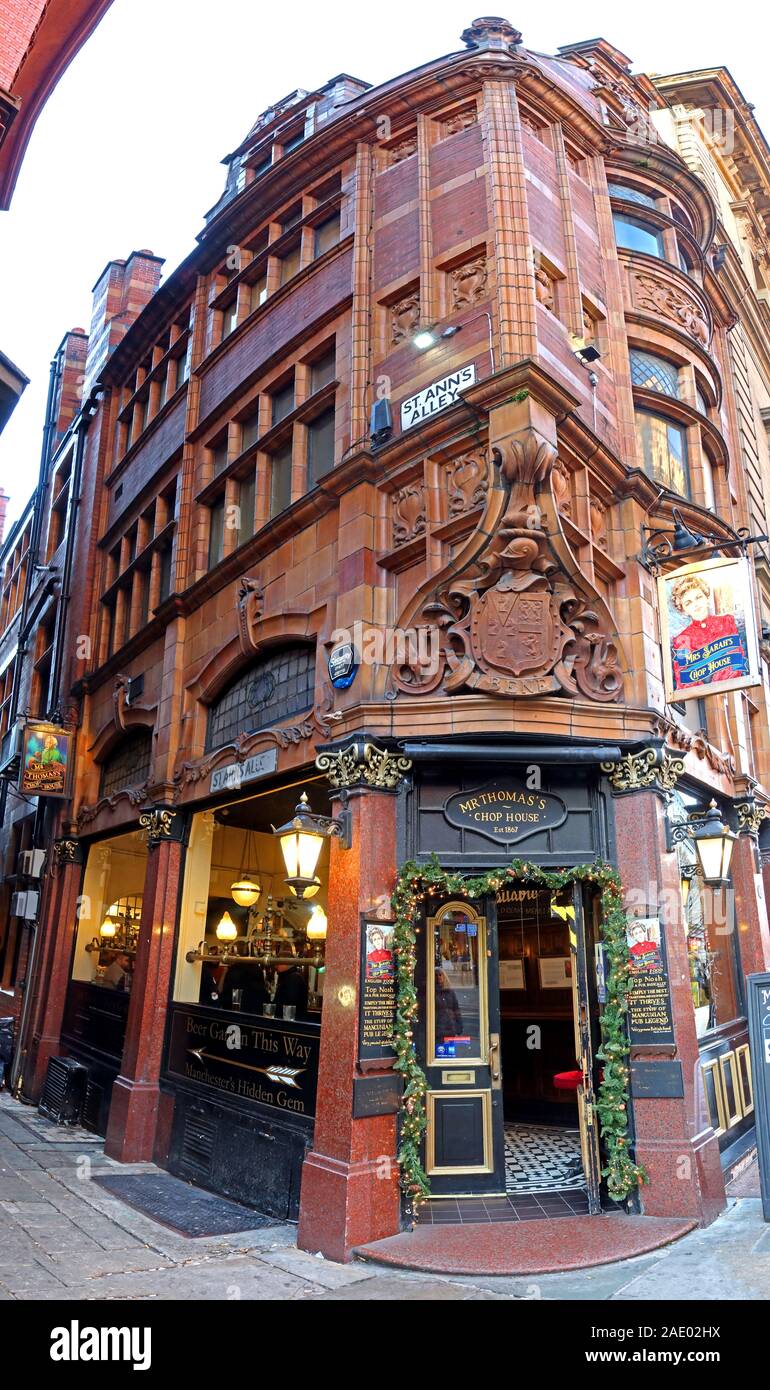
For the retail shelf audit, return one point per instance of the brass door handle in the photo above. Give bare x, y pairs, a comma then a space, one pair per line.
493, 1058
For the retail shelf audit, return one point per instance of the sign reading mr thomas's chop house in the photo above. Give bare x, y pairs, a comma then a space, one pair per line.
505, 811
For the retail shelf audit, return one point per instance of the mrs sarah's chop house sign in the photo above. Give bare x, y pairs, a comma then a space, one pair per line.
438, 396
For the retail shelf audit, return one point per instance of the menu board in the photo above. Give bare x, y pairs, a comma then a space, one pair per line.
377, 1001
649, 995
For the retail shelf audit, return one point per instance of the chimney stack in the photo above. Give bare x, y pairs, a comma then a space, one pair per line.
121, 292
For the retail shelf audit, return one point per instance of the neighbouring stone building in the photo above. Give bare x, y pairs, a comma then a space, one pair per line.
382, 493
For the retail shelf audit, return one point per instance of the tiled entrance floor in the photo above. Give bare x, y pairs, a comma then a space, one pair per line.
531, 1206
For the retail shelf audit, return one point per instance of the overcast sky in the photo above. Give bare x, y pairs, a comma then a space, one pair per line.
127, 152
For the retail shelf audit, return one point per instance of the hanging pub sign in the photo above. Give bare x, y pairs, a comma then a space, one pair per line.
506, 811
759, 1045
708, 630
377, 999
46, 759
649, 996
438, 396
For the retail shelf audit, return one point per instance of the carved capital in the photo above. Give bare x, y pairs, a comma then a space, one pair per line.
750, 815
363, 764
643, 770
161, 825
67, 852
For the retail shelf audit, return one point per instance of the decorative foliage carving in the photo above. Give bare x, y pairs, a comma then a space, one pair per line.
660, 298
158, 824
561, 483
647, 768
364, 765
459, 120
251, 606
750, 815
66, 852
409, 513
134, 795
403, 150
467, 482
598, 509
544, 288
514, 622
404, 317
698, 744
469, 282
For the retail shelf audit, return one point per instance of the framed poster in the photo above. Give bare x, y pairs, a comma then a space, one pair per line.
512, 974
649, 997
377, 999
707, 629
555, 972
46, 759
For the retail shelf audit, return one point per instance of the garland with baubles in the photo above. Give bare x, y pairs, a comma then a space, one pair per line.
418, 882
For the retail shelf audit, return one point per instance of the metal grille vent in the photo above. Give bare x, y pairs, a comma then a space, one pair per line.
62, 1098
198, 1141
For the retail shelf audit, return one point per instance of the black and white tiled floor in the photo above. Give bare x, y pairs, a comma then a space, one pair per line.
542, 1158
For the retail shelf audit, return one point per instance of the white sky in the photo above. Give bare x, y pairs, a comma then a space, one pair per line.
127, 152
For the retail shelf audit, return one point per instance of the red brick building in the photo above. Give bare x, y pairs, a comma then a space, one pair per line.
380, 485
38, 40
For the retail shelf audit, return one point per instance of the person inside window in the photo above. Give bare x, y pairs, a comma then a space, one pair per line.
117, 974
291, 988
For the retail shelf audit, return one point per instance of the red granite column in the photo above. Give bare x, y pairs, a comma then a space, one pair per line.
751, 921
58, 928
674, 1140
136, 1093
350, 1191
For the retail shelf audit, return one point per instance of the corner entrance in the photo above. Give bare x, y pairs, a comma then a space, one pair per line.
509, 1042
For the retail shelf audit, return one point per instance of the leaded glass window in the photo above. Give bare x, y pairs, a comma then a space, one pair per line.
277, 687
654, 373
128, 766
631, 195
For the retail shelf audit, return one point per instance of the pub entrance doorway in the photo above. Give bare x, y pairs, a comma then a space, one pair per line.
509, 1037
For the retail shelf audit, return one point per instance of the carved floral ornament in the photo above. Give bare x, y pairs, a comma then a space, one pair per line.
467, 482
404, 317
519, 619
469, 282
66, 852
409, 513
750, 815
647, 768
363, 764
657, 297
158, 825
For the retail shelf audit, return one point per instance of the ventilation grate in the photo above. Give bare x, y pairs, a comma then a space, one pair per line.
198, 1140
62, 1098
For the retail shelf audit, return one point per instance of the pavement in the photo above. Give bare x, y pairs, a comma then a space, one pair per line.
63, 1237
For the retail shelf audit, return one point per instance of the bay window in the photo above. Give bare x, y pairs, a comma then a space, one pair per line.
663, 448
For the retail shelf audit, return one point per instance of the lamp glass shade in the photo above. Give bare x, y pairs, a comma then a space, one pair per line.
318, 924
226, 929
301, 850
108, 927
714, 847
304, 888
245, 892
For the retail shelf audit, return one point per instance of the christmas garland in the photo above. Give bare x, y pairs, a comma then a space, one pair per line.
415, 883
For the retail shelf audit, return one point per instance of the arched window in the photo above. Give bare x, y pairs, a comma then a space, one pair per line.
654, 373
663, 446
277, 686
128, 765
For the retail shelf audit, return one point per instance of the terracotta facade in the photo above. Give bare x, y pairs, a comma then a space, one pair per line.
241, 504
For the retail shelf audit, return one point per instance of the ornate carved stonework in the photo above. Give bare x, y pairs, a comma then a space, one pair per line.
409, 513
467, 482
544, 288
693, 743
404, 317
469, 282
750, 815
515, 622
134, 795
251, 606
598, 510
491, 32
561, 482
668, 301
646, 768
66, 852
403, 150
364, 765
459, 120
159, 825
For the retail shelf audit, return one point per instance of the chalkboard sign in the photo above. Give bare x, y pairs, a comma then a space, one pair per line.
377, 1003
759, 1046
649, 996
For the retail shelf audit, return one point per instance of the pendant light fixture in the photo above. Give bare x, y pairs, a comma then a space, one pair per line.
246, 890
318, 924
226, 929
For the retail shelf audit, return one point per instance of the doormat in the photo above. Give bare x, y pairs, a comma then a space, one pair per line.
188, 1210
542, 1158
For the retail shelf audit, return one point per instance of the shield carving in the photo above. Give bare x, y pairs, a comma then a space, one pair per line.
514, 632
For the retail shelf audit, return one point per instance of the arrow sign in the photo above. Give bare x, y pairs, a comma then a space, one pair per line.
285, 1075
